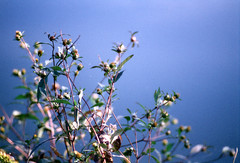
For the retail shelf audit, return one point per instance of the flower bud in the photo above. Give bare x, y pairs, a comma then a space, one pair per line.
75, 56
78, 154
188, 129
121, 48
94, 145
65, 42
69, 41
133, 39
175, 121
164, 114
182, 137
181, 128
99, 91
112, 65
35, 136
36, 60
23, 71
36, 45
55, 86
80, 67
76, 73
40, 52
168, 132
66, 95
167, 97
52, 38
15, 72
2, 130
164, 142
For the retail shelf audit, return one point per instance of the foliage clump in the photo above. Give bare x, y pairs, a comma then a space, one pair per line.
84, 128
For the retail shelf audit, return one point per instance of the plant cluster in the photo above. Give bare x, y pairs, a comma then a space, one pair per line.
81, 128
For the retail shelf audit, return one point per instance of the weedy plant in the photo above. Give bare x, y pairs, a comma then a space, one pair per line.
69, 126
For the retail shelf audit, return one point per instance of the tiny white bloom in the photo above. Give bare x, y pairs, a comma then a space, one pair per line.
16, 113
196, 148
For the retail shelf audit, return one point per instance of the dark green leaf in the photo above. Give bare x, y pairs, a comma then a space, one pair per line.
150, 150
169, 147
26, 116
98, 104
142, 107
123, 62
129, 110
96, 67
115, 79
155, 159
20, 97
22, 87
127, 118
56, 68
62, 102
41, 88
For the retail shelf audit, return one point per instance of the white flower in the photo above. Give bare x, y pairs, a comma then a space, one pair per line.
64, 88
226, 150
47, 62
196, 148
94, 96
16, 113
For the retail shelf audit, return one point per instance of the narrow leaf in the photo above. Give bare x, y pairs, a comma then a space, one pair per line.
123, 62
62, 102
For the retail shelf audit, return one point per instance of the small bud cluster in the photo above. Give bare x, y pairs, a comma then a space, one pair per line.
18, 35
75, 54
79, 68
19, 73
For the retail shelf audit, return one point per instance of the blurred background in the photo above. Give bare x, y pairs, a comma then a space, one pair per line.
189, 46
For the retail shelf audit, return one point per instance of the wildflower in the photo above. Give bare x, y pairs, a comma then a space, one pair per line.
121, 48
197, 148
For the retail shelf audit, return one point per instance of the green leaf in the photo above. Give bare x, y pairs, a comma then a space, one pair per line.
169, 147
142, 107
22, 87
155, 159
150, 150
96, 67
41, 88
123, 62
56, 68
115, 79
129, 110
20, 97
98, 104
127, 118
62, 102
27, 116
